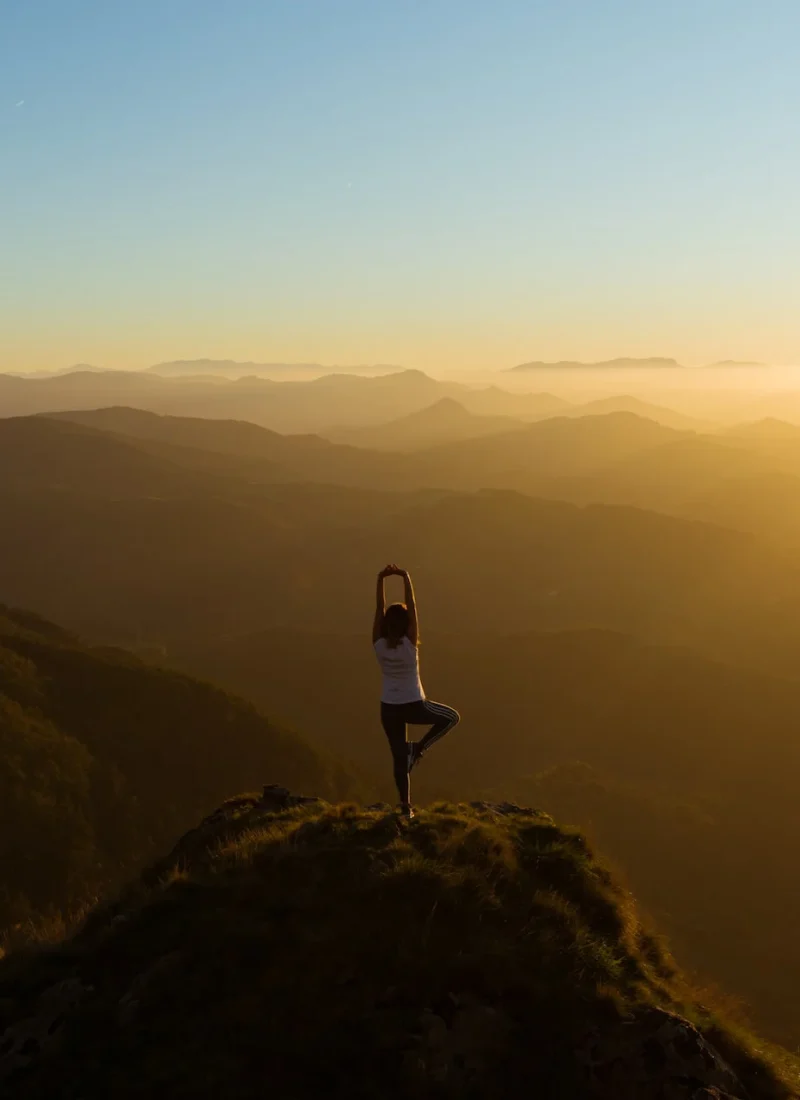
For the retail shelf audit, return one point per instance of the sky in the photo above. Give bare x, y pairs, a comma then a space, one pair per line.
431, 183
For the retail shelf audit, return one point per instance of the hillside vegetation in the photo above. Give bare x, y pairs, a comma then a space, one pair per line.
316, 949
105, 760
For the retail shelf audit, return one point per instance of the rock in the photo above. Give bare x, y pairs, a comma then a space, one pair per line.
505, 809
25, 1042
194, 843
657, 1055
513, 808
274, 797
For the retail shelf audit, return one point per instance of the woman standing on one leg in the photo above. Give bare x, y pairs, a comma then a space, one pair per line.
395, 637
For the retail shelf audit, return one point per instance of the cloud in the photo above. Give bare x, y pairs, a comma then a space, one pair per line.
20, 103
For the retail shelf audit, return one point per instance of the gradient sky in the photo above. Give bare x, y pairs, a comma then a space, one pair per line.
435, 183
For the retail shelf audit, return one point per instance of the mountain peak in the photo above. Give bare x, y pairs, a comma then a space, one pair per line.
329, 947
446, 408
770, 427
410, 374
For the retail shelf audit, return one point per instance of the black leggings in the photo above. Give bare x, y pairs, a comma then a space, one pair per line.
394, 719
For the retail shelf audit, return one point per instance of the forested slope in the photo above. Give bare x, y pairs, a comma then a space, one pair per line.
105, 760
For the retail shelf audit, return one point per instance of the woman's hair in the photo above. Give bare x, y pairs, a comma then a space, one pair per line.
395, 624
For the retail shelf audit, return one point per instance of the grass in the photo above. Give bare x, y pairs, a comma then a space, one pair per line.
311, 950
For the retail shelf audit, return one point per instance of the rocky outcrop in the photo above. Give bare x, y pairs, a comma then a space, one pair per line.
658, 1055
506, 809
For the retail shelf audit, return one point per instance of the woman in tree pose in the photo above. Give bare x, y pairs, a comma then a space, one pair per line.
395, 637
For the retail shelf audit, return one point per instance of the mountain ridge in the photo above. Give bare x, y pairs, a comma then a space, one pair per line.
622, 363
424, 427
233, 368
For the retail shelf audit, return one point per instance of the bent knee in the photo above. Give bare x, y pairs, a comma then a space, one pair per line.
453, 717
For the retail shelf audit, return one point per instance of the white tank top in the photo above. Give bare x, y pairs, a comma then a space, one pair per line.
400, 667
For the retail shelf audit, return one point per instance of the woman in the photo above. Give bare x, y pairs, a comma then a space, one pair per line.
395, 637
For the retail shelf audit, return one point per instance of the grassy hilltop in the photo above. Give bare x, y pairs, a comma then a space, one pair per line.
313, 949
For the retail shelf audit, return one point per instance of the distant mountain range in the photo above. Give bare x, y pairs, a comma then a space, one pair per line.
654, 363
230, 368
221, 368
607, 364
447, 420
76, 368
235, 369
141, 512
286, 405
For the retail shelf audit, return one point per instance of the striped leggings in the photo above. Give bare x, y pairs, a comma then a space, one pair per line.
394, 719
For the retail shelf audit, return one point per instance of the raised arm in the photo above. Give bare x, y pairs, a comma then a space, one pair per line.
380, 606
411, 604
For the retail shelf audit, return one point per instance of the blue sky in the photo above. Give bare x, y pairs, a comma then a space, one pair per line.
453, 182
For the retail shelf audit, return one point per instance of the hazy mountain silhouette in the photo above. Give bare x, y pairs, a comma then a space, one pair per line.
607, 364
444, 421
234, 447
521, 458
21, 396
74, 368
230, 368
740, 483
286, 406
625, 403
770, 428
231, 437
54, 454
556, 446
449, 421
